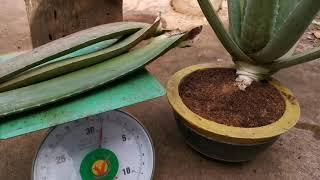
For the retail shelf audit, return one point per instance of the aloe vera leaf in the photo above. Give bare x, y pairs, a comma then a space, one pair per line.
66, 45
85, 79
290, 52
289, 32
57, 68
221, 33
296, 59
285, 8
257, 24
90, 49
235, 18
86, 50
51, 69
243, 5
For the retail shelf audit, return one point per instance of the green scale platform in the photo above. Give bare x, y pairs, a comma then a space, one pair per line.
134, 88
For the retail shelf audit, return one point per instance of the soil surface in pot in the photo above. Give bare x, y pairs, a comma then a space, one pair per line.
212, 94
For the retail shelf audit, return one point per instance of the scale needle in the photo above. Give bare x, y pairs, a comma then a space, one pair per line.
100, 135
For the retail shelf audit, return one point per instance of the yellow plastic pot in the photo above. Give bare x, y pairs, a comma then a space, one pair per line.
222, 142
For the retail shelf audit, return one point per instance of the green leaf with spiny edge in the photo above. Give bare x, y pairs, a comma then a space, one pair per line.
243, 5
225, 38
284, 9
234, 11
289, 32
257, 24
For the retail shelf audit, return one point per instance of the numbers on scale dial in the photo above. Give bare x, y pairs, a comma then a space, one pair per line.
124, 138
90, 130
126, 171
60, 159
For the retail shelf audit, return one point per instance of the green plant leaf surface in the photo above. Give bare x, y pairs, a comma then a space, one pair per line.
235, 18
296, 59
221, 33
90, 49
85, 79
57, 68
289, 32
66, 45
284, 10
243, 5
257, 24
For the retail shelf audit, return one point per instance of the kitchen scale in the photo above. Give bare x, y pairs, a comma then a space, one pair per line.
111, 145
89, 139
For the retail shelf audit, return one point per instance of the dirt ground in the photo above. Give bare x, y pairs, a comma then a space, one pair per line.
14, 27
294, 156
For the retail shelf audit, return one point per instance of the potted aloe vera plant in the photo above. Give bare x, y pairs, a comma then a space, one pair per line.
233, 113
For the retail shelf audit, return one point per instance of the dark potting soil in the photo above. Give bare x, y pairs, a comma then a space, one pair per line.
212, 94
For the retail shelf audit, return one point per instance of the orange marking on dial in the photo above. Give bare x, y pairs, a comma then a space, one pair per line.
100, 168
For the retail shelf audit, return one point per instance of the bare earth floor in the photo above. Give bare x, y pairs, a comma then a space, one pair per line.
294, 156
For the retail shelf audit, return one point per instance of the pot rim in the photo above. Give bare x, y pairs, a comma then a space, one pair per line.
230, 134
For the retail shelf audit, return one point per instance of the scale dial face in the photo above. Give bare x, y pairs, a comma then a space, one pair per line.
111, 145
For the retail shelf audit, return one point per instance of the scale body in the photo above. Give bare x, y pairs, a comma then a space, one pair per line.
111, 145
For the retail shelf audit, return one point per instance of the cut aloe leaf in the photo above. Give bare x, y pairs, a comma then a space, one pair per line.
80, 81
90, 49
58, 68
66, 45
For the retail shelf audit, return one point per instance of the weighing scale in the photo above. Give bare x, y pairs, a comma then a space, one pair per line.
111, 145
89, 139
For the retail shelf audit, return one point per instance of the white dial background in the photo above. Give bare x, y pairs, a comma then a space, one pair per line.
62, 152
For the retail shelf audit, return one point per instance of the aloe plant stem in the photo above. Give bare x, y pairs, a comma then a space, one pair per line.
297, 59
247, 73
222, 34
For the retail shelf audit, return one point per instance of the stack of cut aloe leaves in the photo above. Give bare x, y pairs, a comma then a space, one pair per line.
80, 62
